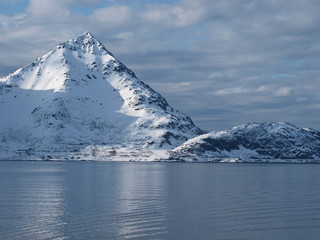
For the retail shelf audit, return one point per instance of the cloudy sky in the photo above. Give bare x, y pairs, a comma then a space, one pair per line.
222, 62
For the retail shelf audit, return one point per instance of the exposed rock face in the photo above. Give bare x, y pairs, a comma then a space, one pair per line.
80, 95
254, 142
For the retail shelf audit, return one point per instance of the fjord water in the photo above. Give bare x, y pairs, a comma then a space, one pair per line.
95, 200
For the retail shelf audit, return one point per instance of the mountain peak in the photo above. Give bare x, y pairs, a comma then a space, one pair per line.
85, 43
84, 38
85, 35
88, 34
78, 95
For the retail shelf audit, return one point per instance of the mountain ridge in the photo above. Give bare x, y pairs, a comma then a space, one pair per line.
79, 92
254, 142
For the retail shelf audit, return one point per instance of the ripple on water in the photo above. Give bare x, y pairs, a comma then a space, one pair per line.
158, 201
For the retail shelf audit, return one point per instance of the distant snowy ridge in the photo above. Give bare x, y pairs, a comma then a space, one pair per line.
78, 97
253, 142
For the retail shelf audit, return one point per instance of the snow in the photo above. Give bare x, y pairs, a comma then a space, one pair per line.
78, 97
254, 142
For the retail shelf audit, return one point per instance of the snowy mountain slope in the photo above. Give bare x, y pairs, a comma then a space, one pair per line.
271, 141
80, 95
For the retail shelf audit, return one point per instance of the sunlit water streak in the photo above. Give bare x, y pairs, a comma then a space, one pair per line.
92, 200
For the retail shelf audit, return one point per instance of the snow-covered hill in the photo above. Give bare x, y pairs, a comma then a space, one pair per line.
254, 142
79, 100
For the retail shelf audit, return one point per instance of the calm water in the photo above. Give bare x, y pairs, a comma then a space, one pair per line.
92, 200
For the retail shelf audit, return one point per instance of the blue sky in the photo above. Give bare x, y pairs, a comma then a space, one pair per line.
222, 62
12, 7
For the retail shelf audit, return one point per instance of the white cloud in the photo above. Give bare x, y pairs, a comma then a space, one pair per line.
172, 16
225, 60
113, 15
283, 92
238, 90
48, 8
3, 21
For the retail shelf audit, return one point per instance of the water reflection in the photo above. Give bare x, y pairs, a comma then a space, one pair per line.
32, 201
91, 200
142, 205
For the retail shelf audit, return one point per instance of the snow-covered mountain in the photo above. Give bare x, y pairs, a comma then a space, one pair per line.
79, 102
254, 142
78, 98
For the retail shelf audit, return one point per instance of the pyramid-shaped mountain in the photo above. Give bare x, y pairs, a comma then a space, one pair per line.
79, 96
